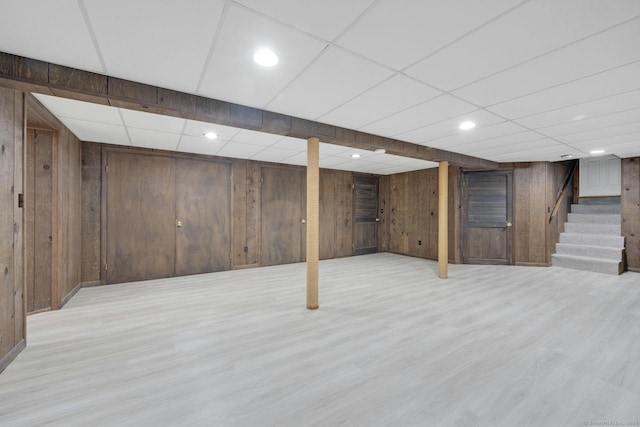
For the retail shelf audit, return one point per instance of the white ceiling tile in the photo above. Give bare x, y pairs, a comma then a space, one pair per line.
552, 23
200, 145
548, 153
609, 120
485, 149
96, 132
325, 19
198, 129
330, 162
239, 150
503, 142
299, 159
593, 55
233, 75
398, 33
153, 139
272, 154
601, 133
450, 127
49, 31
399, 93
603, 106
157, 122
293, 144
246, 136
331, 149
161, 43
87, 111
336, 77
463, 139
608, 142
613, 82
433, 111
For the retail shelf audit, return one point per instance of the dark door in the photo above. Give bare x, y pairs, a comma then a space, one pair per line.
203, 201
487, 217
140, 214
365, 215
38, 225
281, 215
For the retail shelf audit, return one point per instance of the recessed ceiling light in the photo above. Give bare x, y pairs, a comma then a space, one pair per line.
596, 151
567, 156
210, 135
466, 125
265, 58
355, 156
380, 150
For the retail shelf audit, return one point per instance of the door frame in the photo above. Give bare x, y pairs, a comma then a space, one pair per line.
509, 238
365, 177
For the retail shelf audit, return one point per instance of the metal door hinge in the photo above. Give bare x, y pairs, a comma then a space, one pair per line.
106, 169
106, 267
21, 200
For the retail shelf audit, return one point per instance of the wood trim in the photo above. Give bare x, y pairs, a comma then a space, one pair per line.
70, 295
56, 232
533, 264
42, 77
104, 161
13, 353
90, 284
443, 219
23, 97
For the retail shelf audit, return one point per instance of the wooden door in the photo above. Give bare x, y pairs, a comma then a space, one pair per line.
203, 201
487, 217
140, 217
281, 214
365, 215
38, 224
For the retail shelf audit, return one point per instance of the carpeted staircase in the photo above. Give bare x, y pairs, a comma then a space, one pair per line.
591, 240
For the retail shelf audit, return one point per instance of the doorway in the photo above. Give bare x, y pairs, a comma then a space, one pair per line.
487, 216
365, 214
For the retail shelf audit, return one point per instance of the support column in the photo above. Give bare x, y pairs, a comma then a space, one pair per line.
443, 219
313, 221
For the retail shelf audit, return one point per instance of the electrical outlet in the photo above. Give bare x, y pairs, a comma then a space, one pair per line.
419, 242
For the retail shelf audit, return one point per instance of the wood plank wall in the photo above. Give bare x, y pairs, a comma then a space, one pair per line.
630, 201
336, 233
409, 221
12, 302
536, 185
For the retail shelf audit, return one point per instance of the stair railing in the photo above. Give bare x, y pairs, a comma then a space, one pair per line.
563, 191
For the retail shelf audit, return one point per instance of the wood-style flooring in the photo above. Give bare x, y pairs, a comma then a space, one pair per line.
391, 345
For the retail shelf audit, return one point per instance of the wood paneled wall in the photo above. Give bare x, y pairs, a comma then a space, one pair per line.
630, 200
12, 303
409, 218
336, 231
536, 185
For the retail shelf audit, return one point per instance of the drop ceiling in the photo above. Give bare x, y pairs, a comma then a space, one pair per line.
541, 78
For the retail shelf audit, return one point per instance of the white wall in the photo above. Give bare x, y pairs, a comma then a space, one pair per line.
600, 176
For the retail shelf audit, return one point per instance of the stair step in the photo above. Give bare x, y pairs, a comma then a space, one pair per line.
596, 209
592, 239
601, 252
590, 228
594, 218
587, 264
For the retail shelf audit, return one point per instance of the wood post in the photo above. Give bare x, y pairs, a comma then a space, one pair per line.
313, 221
443, 219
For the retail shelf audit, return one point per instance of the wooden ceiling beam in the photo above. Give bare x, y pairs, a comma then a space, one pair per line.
31, 75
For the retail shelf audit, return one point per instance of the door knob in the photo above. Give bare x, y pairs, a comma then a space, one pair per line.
508, 224
178, 223
377, 219
304, 221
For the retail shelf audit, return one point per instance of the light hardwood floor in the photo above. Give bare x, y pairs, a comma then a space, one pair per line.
391, 345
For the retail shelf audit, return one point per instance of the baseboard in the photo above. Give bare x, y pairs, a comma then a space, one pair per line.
244, 266
70, 295
633, 269
533, 264
91, 284
42, 310
13, 353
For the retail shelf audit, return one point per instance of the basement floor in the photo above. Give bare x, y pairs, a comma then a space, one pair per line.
390, 345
